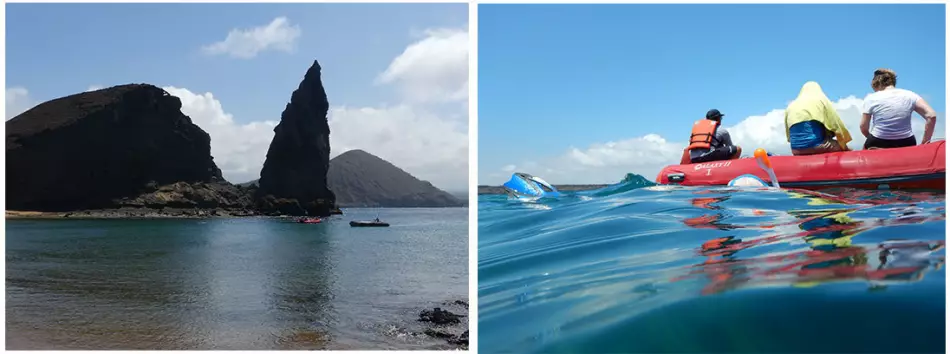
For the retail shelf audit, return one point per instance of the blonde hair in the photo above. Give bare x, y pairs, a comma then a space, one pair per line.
883, 78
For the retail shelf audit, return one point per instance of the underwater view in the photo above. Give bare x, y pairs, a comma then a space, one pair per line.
637, 267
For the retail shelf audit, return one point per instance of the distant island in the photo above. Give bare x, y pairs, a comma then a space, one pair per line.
129, 151
461, 196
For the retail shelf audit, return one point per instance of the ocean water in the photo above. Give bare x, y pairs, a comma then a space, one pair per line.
638, 268
244, 283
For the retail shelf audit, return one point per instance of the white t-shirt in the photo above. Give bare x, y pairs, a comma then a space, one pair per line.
891, 112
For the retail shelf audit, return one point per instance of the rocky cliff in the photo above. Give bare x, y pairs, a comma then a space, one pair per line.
294, 178
361, 179
124, 146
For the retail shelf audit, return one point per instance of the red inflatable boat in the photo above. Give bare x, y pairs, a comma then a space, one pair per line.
917, 167
317, 220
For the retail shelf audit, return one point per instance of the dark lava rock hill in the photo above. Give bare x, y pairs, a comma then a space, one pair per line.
361, 179
127, 145
294, 177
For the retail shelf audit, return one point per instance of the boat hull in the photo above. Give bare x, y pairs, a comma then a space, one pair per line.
368, 224
916, 167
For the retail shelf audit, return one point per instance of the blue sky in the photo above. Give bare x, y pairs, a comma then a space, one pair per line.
60, 49
553, 77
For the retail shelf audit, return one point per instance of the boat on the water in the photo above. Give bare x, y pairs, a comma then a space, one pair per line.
916, 167
371, 223
309, 220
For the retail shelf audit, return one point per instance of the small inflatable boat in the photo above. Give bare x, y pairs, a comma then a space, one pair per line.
309, 221
523, 185
916, 167
373, 223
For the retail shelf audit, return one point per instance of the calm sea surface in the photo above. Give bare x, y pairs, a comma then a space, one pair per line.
248, 283
638, 268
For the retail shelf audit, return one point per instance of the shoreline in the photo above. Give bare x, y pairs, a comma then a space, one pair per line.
450, 328
128, 214
167, 213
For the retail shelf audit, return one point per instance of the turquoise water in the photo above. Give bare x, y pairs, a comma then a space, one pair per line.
248, 283
637, 268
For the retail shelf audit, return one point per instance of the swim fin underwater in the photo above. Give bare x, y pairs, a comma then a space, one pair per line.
523, 185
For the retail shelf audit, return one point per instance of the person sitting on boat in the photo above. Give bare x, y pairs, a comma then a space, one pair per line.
887, 114
812, 126
709, 142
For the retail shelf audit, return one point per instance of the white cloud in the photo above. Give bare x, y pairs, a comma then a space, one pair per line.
431, 146
768, 131
646, 155
278, 35
422, 143
238, 149
17, 101
648, 149
434, 69
429, 143
425, 145
94, 88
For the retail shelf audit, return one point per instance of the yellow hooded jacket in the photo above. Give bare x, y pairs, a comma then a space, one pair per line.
812, 104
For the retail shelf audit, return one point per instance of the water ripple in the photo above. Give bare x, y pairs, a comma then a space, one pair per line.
600, 270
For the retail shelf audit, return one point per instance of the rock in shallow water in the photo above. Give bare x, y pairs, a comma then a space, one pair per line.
439, 316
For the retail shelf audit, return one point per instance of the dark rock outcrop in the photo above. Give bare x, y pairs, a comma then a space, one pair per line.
361, 179
124, 146
199, 195
439, 316
294, 178
446, 325
461, 340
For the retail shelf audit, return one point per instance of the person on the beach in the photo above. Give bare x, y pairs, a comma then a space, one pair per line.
812, 126
710, 142
887, 114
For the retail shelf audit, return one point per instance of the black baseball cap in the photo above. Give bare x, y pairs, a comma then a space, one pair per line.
714, 114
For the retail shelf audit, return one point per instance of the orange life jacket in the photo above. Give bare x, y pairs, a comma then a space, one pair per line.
704, 132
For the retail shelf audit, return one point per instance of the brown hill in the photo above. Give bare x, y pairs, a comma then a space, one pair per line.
361, 179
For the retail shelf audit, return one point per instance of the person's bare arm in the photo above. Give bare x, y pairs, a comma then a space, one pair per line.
866, 125
924, 110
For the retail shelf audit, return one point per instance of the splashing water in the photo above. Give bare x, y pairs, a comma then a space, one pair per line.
637, 267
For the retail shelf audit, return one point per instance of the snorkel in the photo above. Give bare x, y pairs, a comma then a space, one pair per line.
750, 180
762, 158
